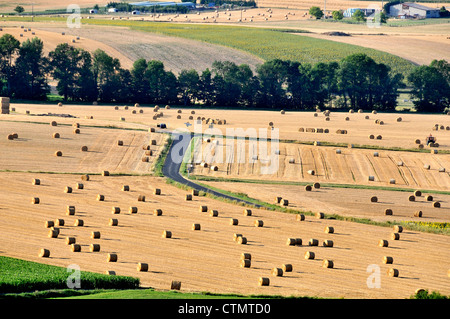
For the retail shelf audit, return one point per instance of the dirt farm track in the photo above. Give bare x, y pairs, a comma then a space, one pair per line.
207, 259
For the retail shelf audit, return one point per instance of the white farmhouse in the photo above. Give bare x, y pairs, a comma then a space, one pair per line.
412, 10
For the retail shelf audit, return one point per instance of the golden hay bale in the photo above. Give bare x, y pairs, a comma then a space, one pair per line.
241, 240
157, 191
105, 173
113, 222
142, 267
79, 186
418, 213
78, 222
68, 189
308, 188
316, 185
59, 222
311, 172
125, 188
263, 281
111, 258
247, 212
285, 202
203, 208
374, 199
120, 142
58, 153
70, 240
309, 255
326, 263
278, 199
53, 123
75, 247
44, 253
167, 234
35, 200
70, 210
313, 242
141, 198
388, 260
56, 135
417, 193
133, 210
178, 117
245, 263
196, 226
287, 267
115, 210
277, 272
393, 272
195, 192
36, 181
213, 213
236, 236
85, 177
234, 221
412, 198
53, 233
379, 137
388, 211
76, 131
371, 136
437, 204
291, 241
94, 247
383, 243
76, 125
398, 228
300, 217
259, 223
157, 212
395, 236
145, 159
320, 215
429, 198
100, 197
175, 285
328, 243
188, 197
10, 137
246, 256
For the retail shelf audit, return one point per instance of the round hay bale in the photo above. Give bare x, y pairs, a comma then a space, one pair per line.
326, 263
59, 222
195, 192
417, 193
308, 188
111, 258
133, 210
371, 178
125, 188
178, 117
329, 230
388, 211
44, 253
313, 242
418, 213
195, 226
259, 223
338, 151
263, 281
371, 136
300, 217
291, 241
36, 181
213, 213
157, 212
320, 215
145, 159
417, 141
56, 135
75, 248
113, 222
188, 197
157, 191
115, 210
388, 260
436, 204
347, 118
85, 177
53, 123
282, 111
245, 263
420, 146
76, 131
236, 236
392, 181
399, 119
79, 186
327, 243
379, 137
285, 202
393, 272
309, 255
395, 236
78, 223
277, 272
166, 234
241, 240
53, 233
203, 208
383, 243
316, 185
311, 172
10, 137
105, 173
58, 153
70, 210
234, 221
68, 189
142, 267
429, 198
35, 200
94, 247
287, 267
398, 228
70, 240
100, 197
246, 256
141, 198
412, 198
247, 212
374, 199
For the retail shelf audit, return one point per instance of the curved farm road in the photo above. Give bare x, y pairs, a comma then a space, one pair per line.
172, 164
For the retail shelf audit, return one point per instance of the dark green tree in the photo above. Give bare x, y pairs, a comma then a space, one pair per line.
188, 83
337, 15
316, 12
9, 46
358, 15
105, 70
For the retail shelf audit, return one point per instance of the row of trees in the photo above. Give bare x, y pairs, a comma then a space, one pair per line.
356, 81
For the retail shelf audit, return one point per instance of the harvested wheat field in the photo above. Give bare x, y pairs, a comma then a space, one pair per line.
208, 259
324, 164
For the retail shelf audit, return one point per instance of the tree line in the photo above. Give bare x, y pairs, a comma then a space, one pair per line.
356, 81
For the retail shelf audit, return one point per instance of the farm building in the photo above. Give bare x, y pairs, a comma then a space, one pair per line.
349, 12
190, 5
413, 10
112, 10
